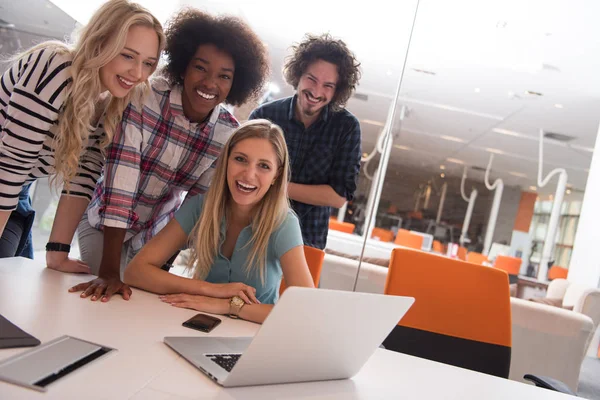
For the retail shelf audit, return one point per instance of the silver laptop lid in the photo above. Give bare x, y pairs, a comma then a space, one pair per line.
318, 334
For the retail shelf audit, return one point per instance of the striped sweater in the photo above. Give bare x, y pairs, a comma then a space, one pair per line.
32, 93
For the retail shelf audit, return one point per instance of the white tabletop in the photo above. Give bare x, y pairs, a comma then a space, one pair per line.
36, 299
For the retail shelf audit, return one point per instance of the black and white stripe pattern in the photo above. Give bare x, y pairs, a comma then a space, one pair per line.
32, 92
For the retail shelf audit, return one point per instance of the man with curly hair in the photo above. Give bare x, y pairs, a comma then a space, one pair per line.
167, 147
323, 137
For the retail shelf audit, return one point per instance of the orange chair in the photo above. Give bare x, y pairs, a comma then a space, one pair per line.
462, 253
336, 225
314, 259
476, 258
557, 272
461, 315
510, 265
407, 239
438, 247
383, 235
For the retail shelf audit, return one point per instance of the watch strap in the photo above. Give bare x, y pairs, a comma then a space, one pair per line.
54, 246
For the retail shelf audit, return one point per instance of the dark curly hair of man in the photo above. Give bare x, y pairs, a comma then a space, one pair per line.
191, 28
326, 48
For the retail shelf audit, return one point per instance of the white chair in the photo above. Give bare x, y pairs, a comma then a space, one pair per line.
584, 300
339, 273
548, 341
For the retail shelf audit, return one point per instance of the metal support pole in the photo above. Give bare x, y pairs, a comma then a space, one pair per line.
550, 240
442, 201
465, 228
380, 174
471, 200
427, 197
491, 226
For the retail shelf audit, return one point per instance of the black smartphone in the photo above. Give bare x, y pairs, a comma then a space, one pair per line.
202, 322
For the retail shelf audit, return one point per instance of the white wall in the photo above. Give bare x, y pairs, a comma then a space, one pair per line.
585, 261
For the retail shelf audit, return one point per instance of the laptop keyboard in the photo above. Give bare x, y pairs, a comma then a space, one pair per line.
226, 361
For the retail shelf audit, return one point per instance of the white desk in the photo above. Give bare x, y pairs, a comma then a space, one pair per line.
36, 299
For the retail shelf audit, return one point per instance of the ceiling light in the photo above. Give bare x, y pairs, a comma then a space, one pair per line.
455, 160
532, 188
507, 132
495, 151
558, 105
401, 147
442, 167
568, 191
452, 139
518, 174
442, 175
372, 122
477, 90
389, 72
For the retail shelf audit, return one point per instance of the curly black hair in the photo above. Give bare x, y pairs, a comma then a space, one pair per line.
191, 28
326, 48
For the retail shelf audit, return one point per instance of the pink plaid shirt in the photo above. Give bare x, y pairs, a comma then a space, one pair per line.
156, 157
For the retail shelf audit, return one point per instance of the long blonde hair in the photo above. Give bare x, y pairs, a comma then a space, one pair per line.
268, 214
97, 43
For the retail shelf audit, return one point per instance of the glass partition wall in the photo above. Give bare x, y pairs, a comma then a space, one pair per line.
485, 80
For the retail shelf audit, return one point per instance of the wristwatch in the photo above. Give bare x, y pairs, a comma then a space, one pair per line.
235, 306
54, 246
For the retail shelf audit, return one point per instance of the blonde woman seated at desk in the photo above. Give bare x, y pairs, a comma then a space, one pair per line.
242, 232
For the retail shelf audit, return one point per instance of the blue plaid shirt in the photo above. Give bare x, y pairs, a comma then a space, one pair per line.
327, 153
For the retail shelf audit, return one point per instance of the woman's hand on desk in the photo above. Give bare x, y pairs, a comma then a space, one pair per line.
60, 261
103, 288
195, 302
228, 290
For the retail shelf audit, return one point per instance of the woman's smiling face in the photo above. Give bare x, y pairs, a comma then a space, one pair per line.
207, 81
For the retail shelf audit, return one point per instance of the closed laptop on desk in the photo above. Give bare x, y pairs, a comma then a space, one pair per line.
13, 336
310, 335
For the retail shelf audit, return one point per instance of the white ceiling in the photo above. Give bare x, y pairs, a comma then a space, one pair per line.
485, 55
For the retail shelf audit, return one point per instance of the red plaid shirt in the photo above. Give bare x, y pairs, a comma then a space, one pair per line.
156, 157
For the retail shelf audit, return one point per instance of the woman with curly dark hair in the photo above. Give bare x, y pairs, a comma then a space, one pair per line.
323, 137
168, 146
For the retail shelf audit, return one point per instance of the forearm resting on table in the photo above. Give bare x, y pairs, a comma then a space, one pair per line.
317, 195
255, 312
110, 266
152, 278
67, 217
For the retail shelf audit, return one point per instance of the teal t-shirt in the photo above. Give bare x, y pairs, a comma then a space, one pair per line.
223, 270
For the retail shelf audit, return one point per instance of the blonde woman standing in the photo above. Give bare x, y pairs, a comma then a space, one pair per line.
52, 98
242, 232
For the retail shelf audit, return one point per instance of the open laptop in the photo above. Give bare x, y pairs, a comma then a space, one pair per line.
310, 335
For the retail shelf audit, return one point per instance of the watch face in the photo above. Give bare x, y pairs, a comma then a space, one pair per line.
237, 301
